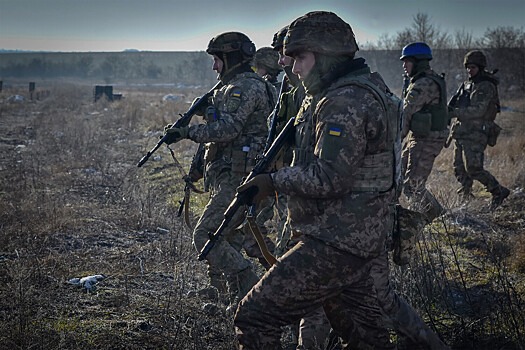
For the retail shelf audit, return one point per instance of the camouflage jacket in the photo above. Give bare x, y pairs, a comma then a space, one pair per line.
335, 129
235, 133
480, 110
420, 93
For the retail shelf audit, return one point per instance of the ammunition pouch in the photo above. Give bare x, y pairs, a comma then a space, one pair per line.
493, 130
421, 124
241, 161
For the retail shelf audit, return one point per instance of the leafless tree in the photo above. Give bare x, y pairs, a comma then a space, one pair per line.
421, 29
503, 37
463, 39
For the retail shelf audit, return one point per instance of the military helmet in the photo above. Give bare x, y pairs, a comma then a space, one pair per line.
418, 50
475, 57
267, 58
322, 32
230, 42
278, 38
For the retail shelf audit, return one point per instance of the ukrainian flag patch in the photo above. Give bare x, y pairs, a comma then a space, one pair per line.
236, 93
334, 131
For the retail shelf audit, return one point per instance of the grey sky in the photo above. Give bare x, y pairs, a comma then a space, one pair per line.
183, 25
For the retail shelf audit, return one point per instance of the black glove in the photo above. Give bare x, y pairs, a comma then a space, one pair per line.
173, 135
257, 189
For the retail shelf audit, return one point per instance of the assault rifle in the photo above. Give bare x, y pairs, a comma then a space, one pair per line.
239, 200
272, 131
184, 120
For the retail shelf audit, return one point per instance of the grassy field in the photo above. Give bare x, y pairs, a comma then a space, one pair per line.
73, 203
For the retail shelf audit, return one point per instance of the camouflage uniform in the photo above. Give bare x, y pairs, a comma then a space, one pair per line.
266, 59
475, 106
422, 99
314, 328
234, 135
330, 266
339, 262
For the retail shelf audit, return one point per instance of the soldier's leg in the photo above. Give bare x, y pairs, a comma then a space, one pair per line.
314, 330
460, 171
291, 289
404, 319
357, 318
224, 257
474, 159
422, 153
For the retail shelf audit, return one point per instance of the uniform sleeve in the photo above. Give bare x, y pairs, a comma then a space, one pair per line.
422, 92
344, 123
480, 98
239, 102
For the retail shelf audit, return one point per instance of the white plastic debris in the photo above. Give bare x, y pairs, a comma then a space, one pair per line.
88, 282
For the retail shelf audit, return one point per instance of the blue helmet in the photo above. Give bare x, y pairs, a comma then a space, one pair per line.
420, 51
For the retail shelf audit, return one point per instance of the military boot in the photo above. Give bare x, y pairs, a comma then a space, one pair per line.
498, 196
239, 285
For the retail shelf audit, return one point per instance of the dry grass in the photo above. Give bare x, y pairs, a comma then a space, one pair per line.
73, 203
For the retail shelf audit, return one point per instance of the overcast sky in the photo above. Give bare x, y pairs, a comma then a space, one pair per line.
188, 25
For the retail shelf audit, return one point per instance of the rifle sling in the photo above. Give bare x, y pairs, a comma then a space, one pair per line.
260, 240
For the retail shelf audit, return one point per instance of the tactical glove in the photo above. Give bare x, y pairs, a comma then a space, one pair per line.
173, 135
257, 189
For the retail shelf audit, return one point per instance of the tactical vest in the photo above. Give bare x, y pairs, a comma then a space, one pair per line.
244, 150
439, 119
462, 98
379, 172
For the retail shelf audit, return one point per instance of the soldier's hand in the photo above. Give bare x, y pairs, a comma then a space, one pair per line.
173, 135
257, 189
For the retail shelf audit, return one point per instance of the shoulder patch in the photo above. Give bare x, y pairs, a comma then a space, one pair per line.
233, 100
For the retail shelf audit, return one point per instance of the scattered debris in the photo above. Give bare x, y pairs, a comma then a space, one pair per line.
88, 282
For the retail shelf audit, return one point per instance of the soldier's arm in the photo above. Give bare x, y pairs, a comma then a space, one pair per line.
238, 104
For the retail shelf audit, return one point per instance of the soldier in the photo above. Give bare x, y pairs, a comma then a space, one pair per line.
266, 64
475, 106
341, 126
426, 118
234, 134
314, 328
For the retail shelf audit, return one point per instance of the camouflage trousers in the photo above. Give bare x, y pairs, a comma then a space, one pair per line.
400, 316
310, 276
225, 255
468, 165
417, 161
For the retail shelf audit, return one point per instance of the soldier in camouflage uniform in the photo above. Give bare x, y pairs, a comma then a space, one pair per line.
475, 106
234, 134
314, 328
266, 64
425, 117
340, 223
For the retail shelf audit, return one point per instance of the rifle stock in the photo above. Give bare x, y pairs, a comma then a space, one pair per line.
184, 120
241, 199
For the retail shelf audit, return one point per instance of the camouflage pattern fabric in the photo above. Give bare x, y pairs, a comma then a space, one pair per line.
237, 129
310, 276
470, 134
408, 229
320, 202
468, 162
401, 316
420, 152
328, 219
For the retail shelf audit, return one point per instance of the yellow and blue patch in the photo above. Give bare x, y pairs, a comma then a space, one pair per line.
236, 93
334, 131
